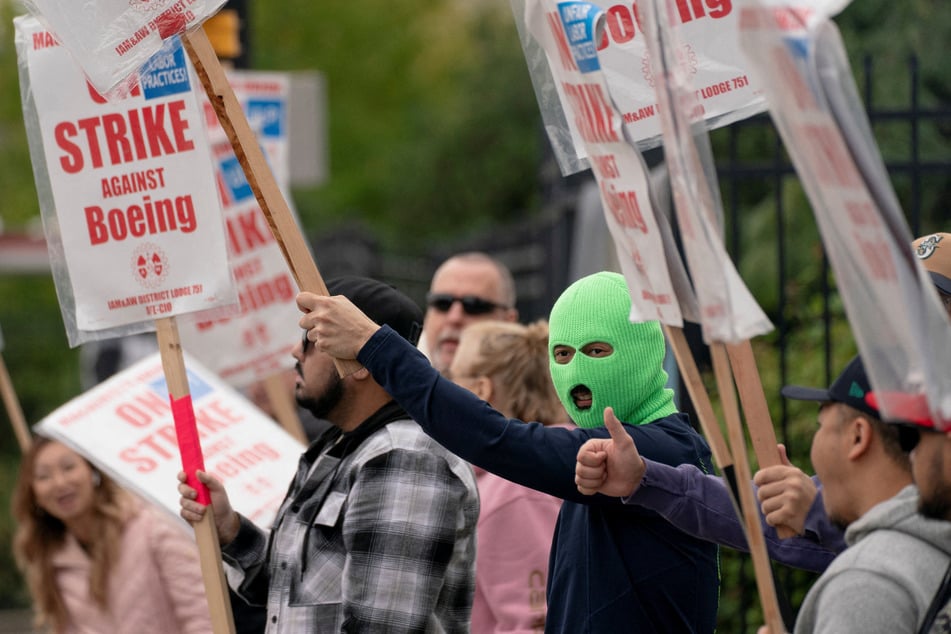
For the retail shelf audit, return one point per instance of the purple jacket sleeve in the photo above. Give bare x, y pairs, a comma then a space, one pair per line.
700, 505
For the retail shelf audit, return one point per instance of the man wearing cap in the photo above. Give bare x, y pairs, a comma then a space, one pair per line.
613, 568
468, 287
377, 531
885, 580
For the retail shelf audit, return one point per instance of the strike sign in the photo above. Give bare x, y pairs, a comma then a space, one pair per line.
126, 189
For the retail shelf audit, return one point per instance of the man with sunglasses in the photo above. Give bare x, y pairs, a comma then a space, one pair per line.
466, 288
377, 531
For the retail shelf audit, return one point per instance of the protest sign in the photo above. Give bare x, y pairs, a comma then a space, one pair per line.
711, 51
728, 311
125, 426
111, 39
257, 342
897, 319
729, 314
133, 226
566, 33
134, 229
12, 404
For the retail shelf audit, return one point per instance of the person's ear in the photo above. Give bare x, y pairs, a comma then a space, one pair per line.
860, 437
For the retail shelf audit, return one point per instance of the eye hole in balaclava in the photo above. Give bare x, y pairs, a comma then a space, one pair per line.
592, 315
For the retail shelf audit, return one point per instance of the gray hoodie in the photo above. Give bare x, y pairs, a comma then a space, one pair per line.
885, 580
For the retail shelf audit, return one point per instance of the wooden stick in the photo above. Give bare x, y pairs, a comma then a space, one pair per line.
284, 407
14, 411
750, 515
256, 170
753, 399
209, 549
759, 423
699, 397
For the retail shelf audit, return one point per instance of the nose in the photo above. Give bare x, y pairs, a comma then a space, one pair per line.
58, 479
456, 314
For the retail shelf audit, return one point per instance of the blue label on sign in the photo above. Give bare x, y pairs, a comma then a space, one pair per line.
266, 116
165, 73
577, 18
196, 387
235, 179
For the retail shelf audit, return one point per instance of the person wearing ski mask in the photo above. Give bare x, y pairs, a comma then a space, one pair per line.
613, 567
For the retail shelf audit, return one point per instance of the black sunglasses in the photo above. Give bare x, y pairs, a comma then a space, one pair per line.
471, 304
910, 434
304, 342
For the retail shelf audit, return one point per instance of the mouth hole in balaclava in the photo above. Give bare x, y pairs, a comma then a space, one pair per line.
582, 396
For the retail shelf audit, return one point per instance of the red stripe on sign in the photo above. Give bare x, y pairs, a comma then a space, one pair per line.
188, 444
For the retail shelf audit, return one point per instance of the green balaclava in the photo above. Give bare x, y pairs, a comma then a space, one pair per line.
597, 308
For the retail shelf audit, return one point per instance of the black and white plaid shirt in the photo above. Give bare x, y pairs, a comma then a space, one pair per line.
377, 533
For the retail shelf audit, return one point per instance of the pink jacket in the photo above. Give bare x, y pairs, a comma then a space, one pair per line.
514, 539
155, 588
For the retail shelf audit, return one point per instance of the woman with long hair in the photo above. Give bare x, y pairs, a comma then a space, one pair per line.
506, 365
97, 559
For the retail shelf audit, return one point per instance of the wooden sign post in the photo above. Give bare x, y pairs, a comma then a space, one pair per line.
258, 173
12, 404
173, 364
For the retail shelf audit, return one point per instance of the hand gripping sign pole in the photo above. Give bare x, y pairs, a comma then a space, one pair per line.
728, 311
173, 364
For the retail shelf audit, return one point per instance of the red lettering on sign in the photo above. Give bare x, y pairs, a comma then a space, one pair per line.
624, 207
248, 230
564, 51
142, 410
148, 218
830, 160
593, 114
162, 126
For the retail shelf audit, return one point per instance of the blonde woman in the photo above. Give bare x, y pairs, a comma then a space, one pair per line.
96, 559
506, 365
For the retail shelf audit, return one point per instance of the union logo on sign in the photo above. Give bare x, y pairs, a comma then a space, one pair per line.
149, 265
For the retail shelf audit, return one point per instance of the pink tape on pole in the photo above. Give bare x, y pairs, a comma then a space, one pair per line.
188, 444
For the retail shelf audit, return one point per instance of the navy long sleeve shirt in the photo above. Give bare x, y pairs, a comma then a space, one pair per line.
613, 567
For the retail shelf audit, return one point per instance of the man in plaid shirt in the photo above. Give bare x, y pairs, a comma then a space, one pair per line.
377, 532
